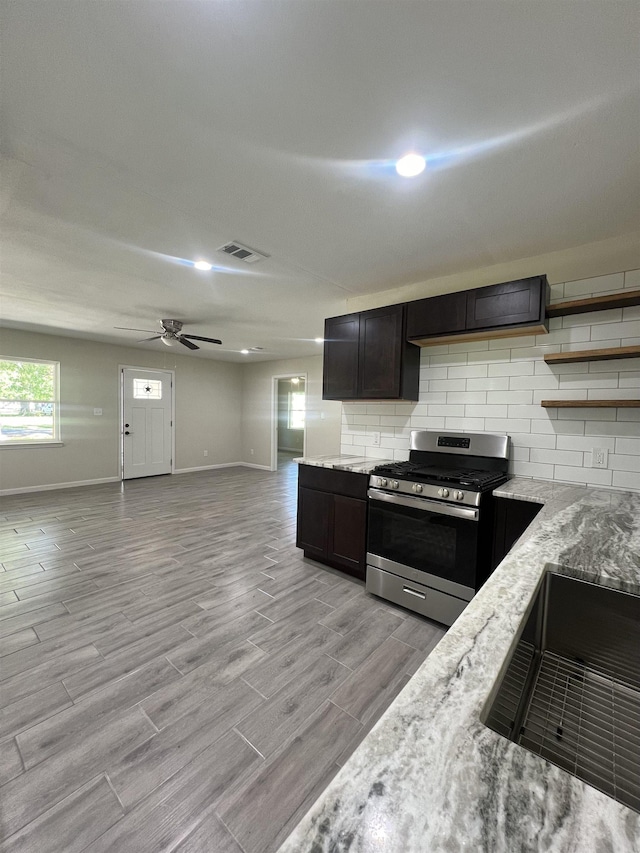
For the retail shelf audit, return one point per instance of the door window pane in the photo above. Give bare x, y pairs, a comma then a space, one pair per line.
147, 389
296, 410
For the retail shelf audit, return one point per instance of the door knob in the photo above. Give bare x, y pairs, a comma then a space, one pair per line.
126, 432
126, 425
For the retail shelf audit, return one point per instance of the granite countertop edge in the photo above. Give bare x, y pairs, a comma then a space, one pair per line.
430, 776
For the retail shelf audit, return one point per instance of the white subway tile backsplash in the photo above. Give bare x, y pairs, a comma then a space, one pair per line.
592, 476
632, 279
511, 396
556, 457
625, 329
464, 397
533, 469
448, 385
593, 286
507, 425
626, 480
496, 385
485, 411
468, 371
465, 424
628, 446
512, 368
532, 440
584, 443
486, 383
624, 463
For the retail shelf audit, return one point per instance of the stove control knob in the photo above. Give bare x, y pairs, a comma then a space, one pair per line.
417, 488
394, 484
443, 493
382, 481
458, 495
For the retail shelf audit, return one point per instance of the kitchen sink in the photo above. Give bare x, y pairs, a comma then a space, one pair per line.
571, 688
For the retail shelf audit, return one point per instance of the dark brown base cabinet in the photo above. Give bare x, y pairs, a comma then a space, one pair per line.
512, 517
332, 518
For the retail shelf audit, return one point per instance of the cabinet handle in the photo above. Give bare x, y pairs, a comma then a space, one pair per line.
415, 592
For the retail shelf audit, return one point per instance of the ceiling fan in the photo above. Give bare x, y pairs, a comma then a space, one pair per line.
171, 335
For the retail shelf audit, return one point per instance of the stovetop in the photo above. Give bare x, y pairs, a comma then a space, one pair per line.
416, 472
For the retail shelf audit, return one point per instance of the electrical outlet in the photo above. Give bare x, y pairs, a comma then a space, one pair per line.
376, 439
206, 453
599, 457
252, 451
97, 412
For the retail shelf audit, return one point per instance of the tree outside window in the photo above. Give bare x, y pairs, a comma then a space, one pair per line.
28, 401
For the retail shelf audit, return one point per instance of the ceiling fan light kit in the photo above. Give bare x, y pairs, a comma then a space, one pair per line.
172, 334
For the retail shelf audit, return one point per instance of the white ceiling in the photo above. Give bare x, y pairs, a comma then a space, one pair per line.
140, 133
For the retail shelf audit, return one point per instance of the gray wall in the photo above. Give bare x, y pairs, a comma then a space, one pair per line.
208, 398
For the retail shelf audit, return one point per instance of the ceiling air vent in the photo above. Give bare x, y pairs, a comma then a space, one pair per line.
243, 253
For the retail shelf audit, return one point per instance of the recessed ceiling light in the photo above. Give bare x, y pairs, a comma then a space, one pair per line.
203, 265
244, 351
319, 340
410, 165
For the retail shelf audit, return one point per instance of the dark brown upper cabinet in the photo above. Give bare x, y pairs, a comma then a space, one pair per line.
440, 315
512, 303
499, 310
367, 357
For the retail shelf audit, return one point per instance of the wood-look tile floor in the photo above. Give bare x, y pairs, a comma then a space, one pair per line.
174, 675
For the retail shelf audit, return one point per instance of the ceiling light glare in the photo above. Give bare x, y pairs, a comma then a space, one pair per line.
244, 351
168, 340
205, 266
410, 165
319, 340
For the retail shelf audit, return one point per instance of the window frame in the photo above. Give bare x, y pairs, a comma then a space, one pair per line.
40, 441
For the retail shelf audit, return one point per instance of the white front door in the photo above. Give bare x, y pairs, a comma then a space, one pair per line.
146, 422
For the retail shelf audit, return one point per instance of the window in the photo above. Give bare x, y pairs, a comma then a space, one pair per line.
296, 409
28, 401
147, 389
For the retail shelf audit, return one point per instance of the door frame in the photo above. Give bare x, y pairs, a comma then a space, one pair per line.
274, 414
121, 368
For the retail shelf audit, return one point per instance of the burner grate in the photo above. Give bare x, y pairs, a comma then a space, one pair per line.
588, 724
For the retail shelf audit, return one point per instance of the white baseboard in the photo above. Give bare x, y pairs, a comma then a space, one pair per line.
51, 486
254, 465
208, 467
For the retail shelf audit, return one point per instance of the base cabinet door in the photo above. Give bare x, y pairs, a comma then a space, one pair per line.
347, 541
315, 510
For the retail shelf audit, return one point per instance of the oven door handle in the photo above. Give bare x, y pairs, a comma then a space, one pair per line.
424, 504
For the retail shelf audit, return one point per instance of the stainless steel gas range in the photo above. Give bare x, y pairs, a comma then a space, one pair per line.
430, 532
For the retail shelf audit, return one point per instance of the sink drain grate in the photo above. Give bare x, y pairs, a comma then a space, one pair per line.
588, 724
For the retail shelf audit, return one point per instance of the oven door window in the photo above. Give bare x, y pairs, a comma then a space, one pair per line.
427, 541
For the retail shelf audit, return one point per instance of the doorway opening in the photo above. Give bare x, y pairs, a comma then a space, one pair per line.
146, 422
289, 420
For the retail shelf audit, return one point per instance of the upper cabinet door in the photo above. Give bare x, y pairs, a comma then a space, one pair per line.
381, 345
438, 315
340, 366
507, 304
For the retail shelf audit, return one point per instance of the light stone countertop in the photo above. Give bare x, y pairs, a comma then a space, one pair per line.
430, 776
343, 462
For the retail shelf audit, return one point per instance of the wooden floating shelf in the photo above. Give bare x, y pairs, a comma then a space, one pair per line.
594, 303
590, 404
592, 355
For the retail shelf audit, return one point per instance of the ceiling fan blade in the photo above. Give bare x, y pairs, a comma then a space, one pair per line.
200, 338
129, 329
154, 338
187, 343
